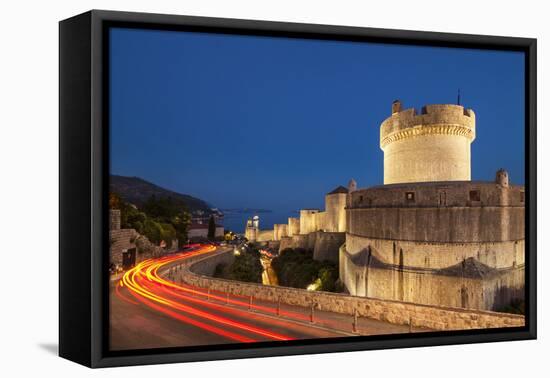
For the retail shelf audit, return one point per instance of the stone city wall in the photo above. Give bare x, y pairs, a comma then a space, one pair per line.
308, 221
293, 226
440, 224
114, 219
296, 241
121, 241
454, 288
433, 317
335, 209
327, 245
264, 235
280, 231
440, 194
429, 255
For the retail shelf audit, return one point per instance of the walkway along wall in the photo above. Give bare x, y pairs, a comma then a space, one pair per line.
403, 313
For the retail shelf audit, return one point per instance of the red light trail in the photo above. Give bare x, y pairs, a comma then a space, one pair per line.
148, 287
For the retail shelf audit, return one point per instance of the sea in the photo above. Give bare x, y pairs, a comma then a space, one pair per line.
236, 221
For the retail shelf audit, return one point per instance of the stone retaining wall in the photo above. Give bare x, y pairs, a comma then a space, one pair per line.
433, 317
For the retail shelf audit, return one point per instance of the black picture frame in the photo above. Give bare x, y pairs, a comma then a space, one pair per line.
83, 122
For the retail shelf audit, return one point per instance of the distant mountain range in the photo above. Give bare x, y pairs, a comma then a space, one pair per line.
136, 190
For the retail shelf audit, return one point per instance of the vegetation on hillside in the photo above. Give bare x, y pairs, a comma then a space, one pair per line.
246, 267
159, 219
296, 268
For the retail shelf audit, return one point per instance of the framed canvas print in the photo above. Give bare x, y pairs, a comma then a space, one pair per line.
233, 188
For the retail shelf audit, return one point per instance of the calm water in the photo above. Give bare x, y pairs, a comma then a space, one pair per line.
236, 222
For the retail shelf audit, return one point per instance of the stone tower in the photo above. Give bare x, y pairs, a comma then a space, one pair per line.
335, 210
502, 178
431, 146
252, 228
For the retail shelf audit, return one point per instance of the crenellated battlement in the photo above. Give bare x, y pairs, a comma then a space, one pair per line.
446, 119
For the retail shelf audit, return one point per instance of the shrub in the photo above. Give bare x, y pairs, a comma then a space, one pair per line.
246, 268
297, 268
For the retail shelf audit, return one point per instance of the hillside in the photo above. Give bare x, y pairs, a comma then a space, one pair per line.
136, 190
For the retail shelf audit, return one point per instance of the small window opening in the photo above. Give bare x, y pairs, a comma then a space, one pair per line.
475, 195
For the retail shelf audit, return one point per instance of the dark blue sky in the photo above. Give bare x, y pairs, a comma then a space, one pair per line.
263, 122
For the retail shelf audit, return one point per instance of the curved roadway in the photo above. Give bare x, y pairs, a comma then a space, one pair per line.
149, 309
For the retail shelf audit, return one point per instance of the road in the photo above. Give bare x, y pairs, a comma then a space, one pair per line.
149, 310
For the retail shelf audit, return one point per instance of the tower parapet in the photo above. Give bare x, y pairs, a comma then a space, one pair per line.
431, 146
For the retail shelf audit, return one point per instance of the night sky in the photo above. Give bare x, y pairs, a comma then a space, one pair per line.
276, 123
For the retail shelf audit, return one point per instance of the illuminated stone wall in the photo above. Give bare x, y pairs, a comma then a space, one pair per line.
335, 209
280, 231
458, 243
404, 313
264, 235
309, 220
459, 212
293, 226
466, 284
327, 245
432, 255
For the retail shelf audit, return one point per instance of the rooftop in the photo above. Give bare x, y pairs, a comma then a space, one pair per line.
339, 189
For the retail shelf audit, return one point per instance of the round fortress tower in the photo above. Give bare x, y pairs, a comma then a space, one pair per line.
431, 146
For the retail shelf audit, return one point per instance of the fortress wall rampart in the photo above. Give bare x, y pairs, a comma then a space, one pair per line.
114, 219
280, 231
293, 226
433, 317
439, 194
335, 209
264, 235
121, 240
429, 255
430, 288
443, 225
320, 221
296, 241
308, 221
327, 245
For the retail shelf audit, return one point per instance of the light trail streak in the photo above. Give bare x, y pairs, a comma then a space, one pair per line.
144, 283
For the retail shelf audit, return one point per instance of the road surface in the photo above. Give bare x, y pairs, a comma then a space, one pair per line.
149, 310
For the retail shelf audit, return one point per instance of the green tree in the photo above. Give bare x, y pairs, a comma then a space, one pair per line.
168, 233
297, 268
246, 268
211, 228
158, 219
